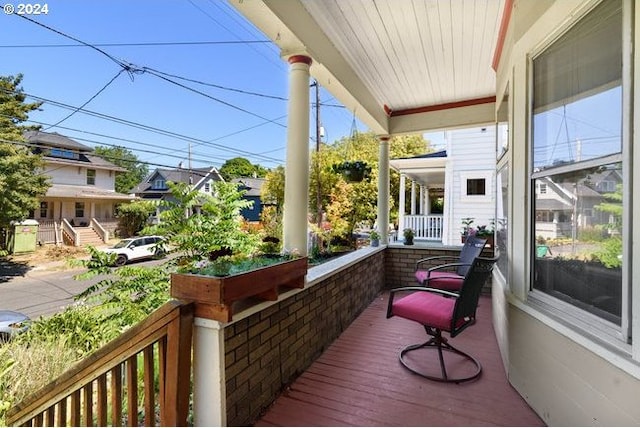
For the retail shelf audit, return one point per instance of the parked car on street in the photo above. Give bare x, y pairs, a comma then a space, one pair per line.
12, 323
137, 248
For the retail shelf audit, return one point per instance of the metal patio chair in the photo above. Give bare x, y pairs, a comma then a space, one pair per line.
450, 274
442, 311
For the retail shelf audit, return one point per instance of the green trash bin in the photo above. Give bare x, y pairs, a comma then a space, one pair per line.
23, 237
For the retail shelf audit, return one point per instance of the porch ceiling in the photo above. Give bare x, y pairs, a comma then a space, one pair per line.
402, 66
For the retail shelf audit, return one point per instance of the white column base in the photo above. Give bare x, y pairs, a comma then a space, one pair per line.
209, 393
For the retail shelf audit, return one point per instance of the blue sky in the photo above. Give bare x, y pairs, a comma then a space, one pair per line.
220, 125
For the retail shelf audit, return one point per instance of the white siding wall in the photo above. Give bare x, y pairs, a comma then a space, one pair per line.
568, 378
77, 176
471, 154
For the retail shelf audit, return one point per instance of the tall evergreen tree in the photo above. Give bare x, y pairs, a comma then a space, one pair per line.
21, 180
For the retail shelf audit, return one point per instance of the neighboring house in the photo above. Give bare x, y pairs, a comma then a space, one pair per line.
252, 188
155, 186
82, 194
449, 185
557, 204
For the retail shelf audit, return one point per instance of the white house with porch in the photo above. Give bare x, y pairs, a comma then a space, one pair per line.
79, 207
448, 186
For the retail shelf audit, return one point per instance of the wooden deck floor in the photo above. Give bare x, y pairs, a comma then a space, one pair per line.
358, 381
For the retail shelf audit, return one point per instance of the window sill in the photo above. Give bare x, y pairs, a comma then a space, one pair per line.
596, 335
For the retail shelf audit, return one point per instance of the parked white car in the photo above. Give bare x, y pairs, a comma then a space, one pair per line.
12, 323
137, 248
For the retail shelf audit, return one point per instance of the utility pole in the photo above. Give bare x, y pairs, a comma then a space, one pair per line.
318, 137
189, 163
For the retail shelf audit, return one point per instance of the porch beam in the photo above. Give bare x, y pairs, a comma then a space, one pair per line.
296, 193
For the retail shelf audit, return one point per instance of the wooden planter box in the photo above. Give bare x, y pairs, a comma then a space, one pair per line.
215, 295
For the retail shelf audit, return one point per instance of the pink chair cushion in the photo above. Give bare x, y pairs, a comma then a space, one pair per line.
426, 308
442, 280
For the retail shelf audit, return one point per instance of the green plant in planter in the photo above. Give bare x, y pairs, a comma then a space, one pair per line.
374, 237
231, 265
408, 236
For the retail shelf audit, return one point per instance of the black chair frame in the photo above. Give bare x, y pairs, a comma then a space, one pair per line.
464, 315
456, 264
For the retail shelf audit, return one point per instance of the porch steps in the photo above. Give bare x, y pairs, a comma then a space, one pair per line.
88, 236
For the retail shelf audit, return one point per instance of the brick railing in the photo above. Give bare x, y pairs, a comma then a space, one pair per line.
400, 261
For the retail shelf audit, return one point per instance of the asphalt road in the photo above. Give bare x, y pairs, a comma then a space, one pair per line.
43, 292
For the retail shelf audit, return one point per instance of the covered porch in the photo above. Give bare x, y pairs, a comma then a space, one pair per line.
424, 175
358, 381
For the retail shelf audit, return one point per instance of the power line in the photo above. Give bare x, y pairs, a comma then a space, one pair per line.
148, 128
131, 68
78, 45
87, 102
42, 146
278, 65
117, 61
126, 140
213, 85
160, 76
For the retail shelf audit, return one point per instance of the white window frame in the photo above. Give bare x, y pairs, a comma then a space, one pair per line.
91, 178
569, 315
159, 184
476, 175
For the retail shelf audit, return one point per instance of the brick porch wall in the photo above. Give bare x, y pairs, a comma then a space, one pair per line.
400, 262
267, 350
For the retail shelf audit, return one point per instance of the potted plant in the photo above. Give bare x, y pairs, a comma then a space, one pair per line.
353, 171
374, 238
482, 231
408, 236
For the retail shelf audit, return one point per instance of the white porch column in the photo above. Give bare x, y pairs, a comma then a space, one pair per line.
413, 197
422, 204
296, 188
383, 189
209, 390
401, 203
427, 201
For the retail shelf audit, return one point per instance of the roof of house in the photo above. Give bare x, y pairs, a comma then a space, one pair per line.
42, 141
53, 139
178, 175
88, 192
252, 186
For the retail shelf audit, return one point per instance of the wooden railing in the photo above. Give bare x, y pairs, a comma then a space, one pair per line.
69, 234
101, 231
103, 389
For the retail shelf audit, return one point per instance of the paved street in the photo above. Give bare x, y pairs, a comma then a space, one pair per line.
41, 292
37, 292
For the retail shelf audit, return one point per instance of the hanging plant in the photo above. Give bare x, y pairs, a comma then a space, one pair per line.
353, 171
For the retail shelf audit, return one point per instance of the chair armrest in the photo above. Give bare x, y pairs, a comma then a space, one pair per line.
436, 258
448, 265
393, 291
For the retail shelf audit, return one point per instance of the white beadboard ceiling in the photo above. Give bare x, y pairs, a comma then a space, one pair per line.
395, 54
